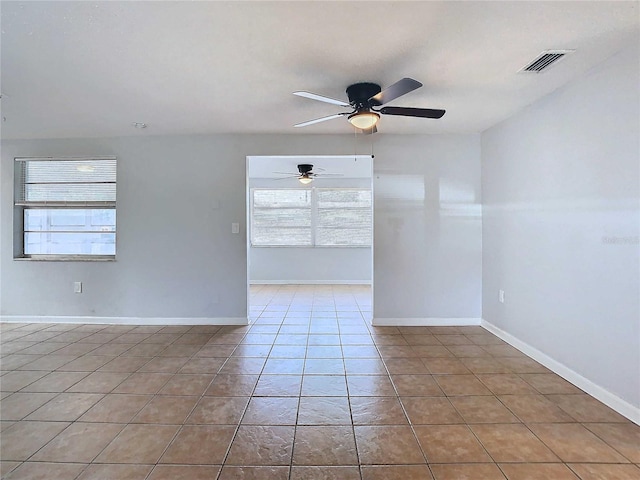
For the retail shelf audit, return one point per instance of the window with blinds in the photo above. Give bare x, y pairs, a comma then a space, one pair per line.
67, 206
324, 217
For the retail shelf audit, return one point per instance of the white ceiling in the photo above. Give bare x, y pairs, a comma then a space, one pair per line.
73, 69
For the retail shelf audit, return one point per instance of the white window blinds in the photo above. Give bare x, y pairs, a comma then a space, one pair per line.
311, 217
66, 182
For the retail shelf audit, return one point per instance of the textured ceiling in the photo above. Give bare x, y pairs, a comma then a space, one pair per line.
73, 69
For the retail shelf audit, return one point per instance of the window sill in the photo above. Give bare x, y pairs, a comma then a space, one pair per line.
65, 258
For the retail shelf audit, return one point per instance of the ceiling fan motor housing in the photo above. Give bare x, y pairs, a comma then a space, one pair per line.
360, 93
305, 168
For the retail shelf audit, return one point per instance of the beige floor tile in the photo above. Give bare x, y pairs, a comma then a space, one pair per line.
594, 471
585, 408
254, 473
370, 386
364, 366
232, 385
56, 382
115, 472
512, 443
324, 445
432, 351
416, 386
397, 351
184, 472
138, 444
430, 411
80, 442
271, 411
324, 385
218, 411
396, 472
478, 471
377, 411
324, 411
6, 467
262, 445
453, 385
124, 364
65, 407
523, 365
535, 409
46, 471
486, 365
483, 409
329, 366
278, 386
386, 445
406, 366
164, 365
99, 382
186, 385
18, 405
17, 380
199, 445
203, 365
168, 410
243, 366
445, 366
450, 444
550, 383
116, 408
507, 384
143, 383
624, 437
86, 363
537, 471
23, 439
574, 443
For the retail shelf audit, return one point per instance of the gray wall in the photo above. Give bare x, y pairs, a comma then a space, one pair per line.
177, 257
560, 185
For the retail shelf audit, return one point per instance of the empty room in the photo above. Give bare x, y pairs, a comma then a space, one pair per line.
291, 240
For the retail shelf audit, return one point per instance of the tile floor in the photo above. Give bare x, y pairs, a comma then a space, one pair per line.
308, 391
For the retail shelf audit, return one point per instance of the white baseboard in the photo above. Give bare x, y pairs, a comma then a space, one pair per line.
619, 405
425, 322
125, 320
309, 282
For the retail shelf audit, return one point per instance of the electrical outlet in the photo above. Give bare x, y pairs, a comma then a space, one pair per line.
501, 296
235, 228
77, 287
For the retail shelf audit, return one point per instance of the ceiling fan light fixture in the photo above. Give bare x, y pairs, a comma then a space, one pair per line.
305, 179
364, 120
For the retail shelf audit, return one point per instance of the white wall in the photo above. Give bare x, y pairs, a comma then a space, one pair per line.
322, 265
177, 257
560, 185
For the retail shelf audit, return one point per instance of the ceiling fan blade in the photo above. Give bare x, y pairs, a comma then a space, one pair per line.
321, 98
401, 87
286, 173
318, 120
284, 178
327, 174
412, 112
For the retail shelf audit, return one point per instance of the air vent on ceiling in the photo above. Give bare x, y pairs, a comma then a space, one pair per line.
545, 60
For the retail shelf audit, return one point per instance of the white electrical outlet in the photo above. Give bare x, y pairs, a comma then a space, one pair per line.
501, 296
235, 228
77, 287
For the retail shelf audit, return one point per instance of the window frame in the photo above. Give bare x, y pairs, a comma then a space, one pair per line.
22, 205
314, 217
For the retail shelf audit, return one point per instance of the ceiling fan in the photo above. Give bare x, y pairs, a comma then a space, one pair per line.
365, 97
305, 174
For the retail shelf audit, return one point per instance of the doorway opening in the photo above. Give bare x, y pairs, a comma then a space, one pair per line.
310, 237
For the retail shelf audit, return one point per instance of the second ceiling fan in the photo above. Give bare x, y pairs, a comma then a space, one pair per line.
365, 98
